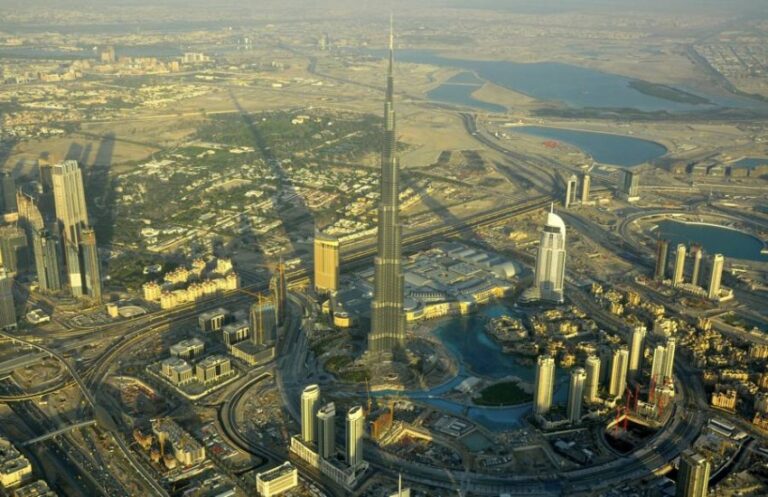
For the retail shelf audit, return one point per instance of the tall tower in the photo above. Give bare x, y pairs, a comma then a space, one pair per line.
668, 368
310, 401
696, 254
354, 438
544, 384
46, 248
636, 350
326, 430
91, 264
263, 322
586, 182
715, 276
619, 366
550, 260
280, 293
71, 213
679, 275
570, 191
657, 366
576, 394
326, 263
693, 476
7, 193
662, 259
7, 307
592, 383
387, 316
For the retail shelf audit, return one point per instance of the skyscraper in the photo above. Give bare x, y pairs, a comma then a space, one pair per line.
696, 254
310, 401
326, 263
46, 249
657, 366
263, 322
354, 438
576, 394
544, 384
668, 370
586, 182
630, 184
91, 263
592, 382
326, 430
570, 191
7, 193
550, 260
619, 366
71, 213
637, 345
693, 476
387, 316
662, 259
678, 277
279, 288
7, 307
13, 250
715, 276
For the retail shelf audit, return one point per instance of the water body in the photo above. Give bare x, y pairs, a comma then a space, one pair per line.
459, 90
479, 355
603, 147
751, 162
715, 239
575, 86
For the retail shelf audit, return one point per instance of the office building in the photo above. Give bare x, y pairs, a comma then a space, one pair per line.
570, 191
46, 249
326, 263
657, 365
263, 317
71, 214
213, 368
212, 320
310, 402
715, 276
326, 431
387, 317
693, 475
91, 264
592, 382
662, 259
586, 182
544, 384
696, 254
669, 360
7, 306
277, 480
234, 333
619, 366
354, 438
678, 273
636, 349
630, 185
7, 194
549, 277
576, 394
14, 253
191, 348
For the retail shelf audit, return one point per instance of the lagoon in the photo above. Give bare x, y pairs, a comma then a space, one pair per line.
714, 239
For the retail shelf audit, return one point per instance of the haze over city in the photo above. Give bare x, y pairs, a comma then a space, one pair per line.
383, 249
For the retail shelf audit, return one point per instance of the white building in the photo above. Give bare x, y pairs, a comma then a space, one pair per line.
550, 260
576, 394
310, 402
544, 384
354, 439
277, 480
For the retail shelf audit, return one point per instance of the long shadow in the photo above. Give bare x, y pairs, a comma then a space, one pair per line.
299, 212
99, 193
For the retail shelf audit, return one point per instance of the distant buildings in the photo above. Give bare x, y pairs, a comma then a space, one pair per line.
586, 182
549, 278
576, 394
715, 277
693, 475
630, 185
544, 384
326, 263
678, 277
662, 260
7, 306
277, 480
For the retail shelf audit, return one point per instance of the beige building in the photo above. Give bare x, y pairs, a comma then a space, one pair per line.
724, 398
212, 368
277, 480
185, 449
326, 263
15, 469
38, 488
188, 349
177, 371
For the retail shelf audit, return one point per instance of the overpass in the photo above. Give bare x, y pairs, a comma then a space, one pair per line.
60, 431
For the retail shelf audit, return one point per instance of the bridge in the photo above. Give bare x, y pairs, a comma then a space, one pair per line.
60, 431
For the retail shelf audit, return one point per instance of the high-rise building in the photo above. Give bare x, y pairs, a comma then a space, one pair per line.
326, 263
715, 276
387, 316
570, 191
630, 184
310, 401
544, 384
326, 430
586, 182
669, 360
7, 307
550, 260
71, 213
678, 276
30, 217
657, 366
280, 293
576, 394
91, 263
619, 366
662, 259
7, 193
263, 320
14, 253
637, 345
354, 438
696, 254
693, 475
46, 248
592, 383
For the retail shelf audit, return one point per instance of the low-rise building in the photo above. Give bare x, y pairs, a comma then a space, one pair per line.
185, 449
177, 371
15, 468
213, 368
188, 349
277, 480
212, 320
38, 488
724, 398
